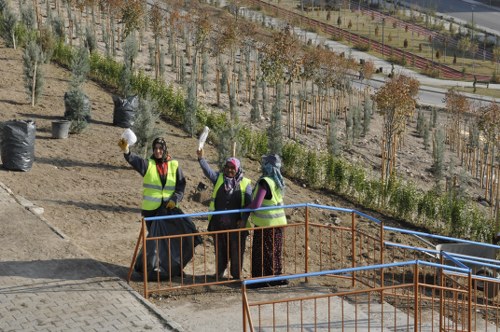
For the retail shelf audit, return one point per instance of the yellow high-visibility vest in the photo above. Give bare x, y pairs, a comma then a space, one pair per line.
220, 180
153, 194
274, 217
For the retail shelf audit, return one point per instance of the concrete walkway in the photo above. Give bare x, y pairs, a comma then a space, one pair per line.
47, 283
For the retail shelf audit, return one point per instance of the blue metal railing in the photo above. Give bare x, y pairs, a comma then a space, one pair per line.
457, 259
351, 270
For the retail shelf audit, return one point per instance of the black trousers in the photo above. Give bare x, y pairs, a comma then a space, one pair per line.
229, 248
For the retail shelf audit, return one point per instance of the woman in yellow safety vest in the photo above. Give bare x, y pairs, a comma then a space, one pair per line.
268, 243
163, 180
232, 191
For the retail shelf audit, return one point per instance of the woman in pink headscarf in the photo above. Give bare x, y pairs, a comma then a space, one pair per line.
232, 191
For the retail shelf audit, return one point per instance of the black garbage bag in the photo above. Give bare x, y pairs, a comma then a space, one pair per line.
164, 256
18, 144
124, 111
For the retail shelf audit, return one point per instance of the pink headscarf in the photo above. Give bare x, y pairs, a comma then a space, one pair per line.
230, 183
235, 162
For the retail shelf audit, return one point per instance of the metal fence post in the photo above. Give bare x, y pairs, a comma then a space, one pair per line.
306, 256
144, 259
382, 282
415, 291
441, 293
469, 301
353, 245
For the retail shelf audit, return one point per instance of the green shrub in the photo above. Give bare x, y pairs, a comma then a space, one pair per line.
427, 206
363, 47
63, 54
339, 175
432, 72
398, 61
105, 69
312, 169
372, 193
357, 180
403, 201
292, 154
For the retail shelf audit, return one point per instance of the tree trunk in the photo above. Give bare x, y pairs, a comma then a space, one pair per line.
33, 86
217, 84
289, 108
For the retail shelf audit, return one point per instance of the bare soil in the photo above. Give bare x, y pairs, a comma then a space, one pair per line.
90, 193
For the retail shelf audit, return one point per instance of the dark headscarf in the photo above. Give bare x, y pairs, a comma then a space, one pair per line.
161, 140
271, 167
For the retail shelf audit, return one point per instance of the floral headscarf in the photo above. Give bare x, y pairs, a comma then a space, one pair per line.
230, 183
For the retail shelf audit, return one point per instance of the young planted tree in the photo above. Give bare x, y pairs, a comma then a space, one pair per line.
489, 124
190, 121
464, 45
144, 126
420, 123
438, 155
396, 101
156, 19
8, 22
77, 104
367, 111
28, 15
357, 127
368, 69
57, 24
255, 111
203, 28
496, 58
33, 74
426, 136
132, 16
204, 70
47, 43
282, 60
456, 105
274, 131
226, 138
90, 41
130, 52
332, 141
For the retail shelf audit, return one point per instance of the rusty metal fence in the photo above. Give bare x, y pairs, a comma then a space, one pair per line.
361, 276
409, 300
357, 245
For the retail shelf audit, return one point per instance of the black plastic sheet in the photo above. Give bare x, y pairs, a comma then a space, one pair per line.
124, 111
18, 145
164, 257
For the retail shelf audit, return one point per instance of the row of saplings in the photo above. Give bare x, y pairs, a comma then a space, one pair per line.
18, 136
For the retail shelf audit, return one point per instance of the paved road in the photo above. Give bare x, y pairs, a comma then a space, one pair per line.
484, 15
47, 283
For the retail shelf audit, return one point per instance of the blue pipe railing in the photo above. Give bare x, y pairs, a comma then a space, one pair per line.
354, 269
456, 258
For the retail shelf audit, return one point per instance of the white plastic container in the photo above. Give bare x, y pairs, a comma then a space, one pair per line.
129, 136
203, 138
